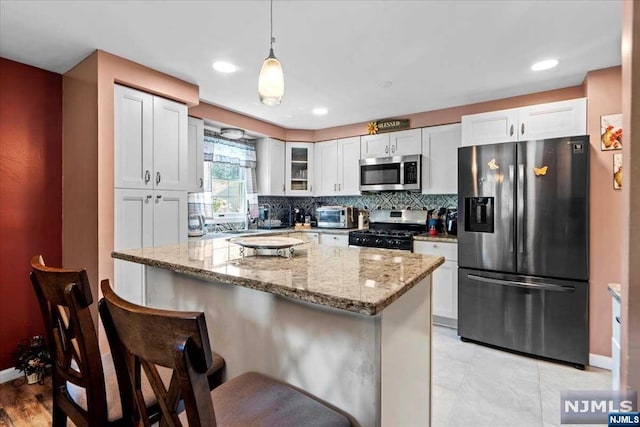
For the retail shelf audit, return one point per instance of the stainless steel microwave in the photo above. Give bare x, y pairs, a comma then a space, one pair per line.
391, 173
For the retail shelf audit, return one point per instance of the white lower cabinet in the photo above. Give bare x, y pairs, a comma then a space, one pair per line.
444, 281
330, 239
145, 218
615, 344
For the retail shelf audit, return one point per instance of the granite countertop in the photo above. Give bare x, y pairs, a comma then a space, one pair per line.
615, 290
439, 238
361, 280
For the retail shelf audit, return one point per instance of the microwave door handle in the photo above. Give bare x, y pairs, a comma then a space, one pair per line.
401, 173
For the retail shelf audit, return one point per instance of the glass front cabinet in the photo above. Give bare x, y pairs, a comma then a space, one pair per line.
299, 164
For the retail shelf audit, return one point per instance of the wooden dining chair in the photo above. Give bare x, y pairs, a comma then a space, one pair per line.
85, 385
179, 340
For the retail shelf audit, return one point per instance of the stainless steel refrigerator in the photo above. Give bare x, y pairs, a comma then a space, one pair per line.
523, 247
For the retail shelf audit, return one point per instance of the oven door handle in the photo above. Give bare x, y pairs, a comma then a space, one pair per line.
537, 286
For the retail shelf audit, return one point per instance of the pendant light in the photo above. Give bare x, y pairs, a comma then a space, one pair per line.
271, 79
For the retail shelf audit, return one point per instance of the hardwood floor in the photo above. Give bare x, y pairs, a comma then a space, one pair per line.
23, 405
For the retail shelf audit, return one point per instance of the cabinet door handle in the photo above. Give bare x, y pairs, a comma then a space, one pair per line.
386, 149
149, 196
147, 177
618, 319
511, 131
335, 187
157, 177
311, 187
201, 183
283, 188
522, 129
159, 196
339, 187
393, 148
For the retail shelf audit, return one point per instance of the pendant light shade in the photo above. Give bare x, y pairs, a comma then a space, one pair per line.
271, 79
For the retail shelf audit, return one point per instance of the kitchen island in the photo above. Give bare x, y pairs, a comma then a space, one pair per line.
350, 326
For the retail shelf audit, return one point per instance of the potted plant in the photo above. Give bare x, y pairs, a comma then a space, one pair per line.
33, 358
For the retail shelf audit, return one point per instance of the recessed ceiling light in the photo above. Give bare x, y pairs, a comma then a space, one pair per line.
224, 67
544, 65
320, 111
388, 83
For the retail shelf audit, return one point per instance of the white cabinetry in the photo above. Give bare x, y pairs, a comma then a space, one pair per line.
401, 143
444, 281
330, 239
440, 159
299, 168
150, 141
615, 344
337, 170
145, 218
270, 167
195, 138
550, 120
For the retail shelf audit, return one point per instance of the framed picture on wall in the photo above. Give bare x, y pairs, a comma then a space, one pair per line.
617, 171
611, 132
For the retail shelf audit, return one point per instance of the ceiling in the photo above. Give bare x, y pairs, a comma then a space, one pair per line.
335, 54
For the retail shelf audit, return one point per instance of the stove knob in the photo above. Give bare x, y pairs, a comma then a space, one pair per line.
378, 241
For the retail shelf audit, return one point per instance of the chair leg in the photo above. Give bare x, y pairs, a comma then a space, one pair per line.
59, 417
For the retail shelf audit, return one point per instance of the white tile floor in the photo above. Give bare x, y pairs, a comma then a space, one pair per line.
474, 385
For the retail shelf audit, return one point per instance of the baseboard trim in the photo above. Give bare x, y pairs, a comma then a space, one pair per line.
9, 374
599, 361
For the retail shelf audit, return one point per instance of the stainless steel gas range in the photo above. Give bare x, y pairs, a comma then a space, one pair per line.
391, 229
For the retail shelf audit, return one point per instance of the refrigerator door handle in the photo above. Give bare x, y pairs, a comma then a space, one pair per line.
520, 207
511, 176
538, 286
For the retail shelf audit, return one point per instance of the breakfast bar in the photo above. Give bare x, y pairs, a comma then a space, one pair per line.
352, 326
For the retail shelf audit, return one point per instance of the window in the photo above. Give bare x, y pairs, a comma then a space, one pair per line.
227, 188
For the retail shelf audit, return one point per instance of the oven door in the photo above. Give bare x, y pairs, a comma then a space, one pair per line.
330, 218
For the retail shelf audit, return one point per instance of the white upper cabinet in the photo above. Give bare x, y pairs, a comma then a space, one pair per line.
440, 159
133, 135
374, 145
349, 166
196, 154
170, 158
299, 168
405, 142
270, 167
151, 148
337, 167
401, 143
490, 128
550, 120
553, 120
326, 167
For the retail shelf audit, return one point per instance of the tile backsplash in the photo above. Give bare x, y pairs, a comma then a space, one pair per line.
384, 200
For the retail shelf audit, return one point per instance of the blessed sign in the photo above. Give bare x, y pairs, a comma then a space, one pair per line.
387, 125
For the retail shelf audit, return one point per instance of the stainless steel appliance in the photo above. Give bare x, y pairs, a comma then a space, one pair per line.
523, 246
391, 173
391, 229
337, 217
197, 226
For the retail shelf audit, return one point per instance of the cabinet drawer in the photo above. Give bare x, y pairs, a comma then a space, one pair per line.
334, 239
447, 250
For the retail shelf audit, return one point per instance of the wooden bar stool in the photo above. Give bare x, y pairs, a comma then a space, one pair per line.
86, 387
179, 340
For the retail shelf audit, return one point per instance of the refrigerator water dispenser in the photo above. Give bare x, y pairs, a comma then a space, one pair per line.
479, 214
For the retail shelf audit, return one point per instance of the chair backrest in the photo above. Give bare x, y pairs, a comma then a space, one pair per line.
173, 339
64, 297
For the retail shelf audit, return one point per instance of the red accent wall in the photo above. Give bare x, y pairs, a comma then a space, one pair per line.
30, 193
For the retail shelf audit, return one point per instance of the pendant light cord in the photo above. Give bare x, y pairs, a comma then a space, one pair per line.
272, 39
